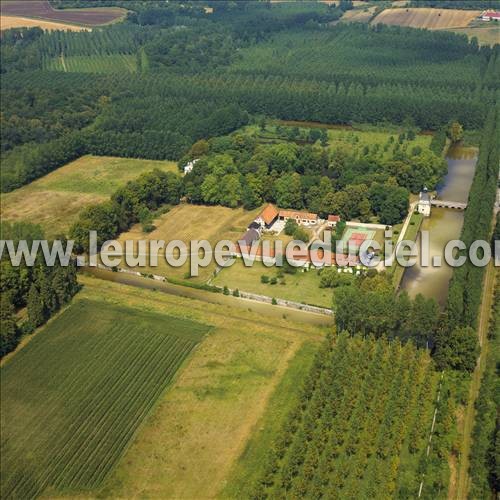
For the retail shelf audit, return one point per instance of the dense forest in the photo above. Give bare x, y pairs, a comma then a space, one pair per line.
198, 75
464, 296
37, 288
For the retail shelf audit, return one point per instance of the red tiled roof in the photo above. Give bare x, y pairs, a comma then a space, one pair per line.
269, 213
300, 215
492, 14
333, 218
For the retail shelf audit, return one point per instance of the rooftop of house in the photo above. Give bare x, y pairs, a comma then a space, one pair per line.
293, 214
269, 213
425, 197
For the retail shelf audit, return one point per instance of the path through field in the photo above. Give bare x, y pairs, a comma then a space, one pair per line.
459, 491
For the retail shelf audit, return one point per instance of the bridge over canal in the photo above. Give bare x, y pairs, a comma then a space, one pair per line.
457, 205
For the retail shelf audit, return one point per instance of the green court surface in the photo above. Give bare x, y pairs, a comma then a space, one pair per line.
354, 236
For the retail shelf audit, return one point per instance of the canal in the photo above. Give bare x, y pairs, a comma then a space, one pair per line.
443, 225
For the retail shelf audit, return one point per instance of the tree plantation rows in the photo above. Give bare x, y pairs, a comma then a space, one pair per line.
360, 427
464, 296
484, 459
371, 56
158, 118
199, 76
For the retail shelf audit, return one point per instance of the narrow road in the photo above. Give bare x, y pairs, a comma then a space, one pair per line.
463, 480
293, 314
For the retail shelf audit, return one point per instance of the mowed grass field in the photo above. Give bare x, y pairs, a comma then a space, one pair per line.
302, 287
189, 444
55, 200
9, 22
429, 18
74, 396
193, 222
112, 63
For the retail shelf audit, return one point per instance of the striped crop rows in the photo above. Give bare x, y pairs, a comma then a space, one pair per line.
66, 421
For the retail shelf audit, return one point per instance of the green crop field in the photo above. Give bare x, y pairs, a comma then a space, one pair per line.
74, 396
112, 63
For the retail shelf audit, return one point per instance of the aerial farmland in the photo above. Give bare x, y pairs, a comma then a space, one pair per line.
248, 249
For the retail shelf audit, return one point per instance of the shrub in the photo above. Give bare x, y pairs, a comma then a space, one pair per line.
264, 279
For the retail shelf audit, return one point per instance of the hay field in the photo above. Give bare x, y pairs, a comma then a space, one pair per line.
193, 222
432, 19
74, 396
487, 34
55, 200
362, 15
8, 22
188, 446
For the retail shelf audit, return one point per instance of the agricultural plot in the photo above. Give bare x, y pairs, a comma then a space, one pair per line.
193, 222
113, 63
9, 22
429, 18
188, 445
43, 10
55, 200
361, 15
486, 34
359, 428
73, 398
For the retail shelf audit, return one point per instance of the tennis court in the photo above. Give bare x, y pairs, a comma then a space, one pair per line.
354, 236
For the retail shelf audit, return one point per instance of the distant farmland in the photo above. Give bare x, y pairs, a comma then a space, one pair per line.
42, 9
55, 200
9, 22
432, 19
75, 395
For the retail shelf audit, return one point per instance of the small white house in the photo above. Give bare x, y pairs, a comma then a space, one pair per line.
189, 166
424, 203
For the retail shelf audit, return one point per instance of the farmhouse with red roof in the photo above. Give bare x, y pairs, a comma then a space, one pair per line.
490, 15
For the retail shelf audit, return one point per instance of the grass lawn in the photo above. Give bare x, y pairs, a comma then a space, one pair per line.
189, 445
55, 200
411, 235
193, 222
74, 396
299, 287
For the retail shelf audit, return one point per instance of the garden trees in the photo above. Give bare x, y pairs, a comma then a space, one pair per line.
290, 226
455, 132
288, 191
